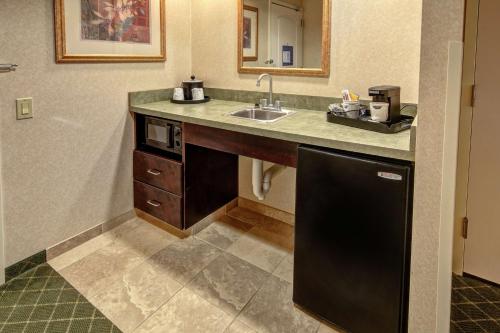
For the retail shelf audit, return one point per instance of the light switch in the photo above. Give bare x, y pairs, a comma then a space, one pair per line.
24, 108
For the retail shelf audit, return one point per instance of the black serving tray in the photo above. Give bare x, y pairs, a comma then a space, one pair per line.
207, 99
366, 123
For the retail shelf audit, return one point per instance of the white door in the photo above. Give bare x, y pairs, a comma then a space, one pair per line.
482, 246
286, 36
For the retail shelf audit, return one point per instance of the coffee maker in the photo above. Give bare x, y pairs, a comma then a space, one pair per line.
391, 95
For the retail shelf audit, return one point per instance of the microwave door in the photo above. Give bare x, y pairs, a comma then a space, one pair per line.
158, 134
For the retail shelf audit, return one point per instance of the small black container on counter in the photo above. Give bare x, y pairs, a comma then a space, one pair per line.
189, 85
201, 101
187, 88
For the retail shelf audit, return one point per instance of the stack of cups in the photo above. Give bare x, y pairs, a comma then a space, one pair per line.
197, 93
178, 94
351, 109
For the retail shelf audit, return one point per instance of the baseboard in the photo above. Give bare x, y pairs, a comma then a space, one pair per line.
25, 265
268, 211
488, 282
87, 235
162, 225
42, 257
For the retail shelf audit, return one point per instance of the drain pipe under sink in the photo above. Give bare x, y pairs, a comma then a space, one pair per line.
261, 180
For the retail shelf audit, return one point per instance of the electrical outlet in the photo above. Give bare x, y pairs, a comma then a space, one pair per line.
24, 108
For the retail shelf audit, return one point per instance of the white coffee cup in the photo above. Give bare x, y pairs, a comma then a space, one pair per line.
379, 111
178, 94
198, 94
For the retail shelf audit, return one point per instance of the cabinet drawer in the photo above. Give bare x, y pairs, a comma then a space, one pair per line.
158, 171
161, 204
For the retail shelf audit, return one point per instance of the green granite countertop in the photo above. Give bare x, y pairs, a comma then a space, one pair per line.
304, 126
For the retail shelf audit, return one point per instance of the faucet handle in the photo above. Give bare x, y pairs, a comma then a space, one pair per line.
277, 104
263, 102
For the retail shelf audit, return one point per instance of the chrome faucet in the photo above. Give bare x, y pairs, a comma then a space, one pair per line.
270, 86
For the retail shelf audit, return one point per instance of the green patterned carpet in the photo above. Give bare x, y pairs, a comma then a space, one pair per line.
41, 300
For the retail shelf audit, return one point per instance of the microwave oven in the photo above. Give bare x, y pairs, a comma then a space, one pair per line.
163, 134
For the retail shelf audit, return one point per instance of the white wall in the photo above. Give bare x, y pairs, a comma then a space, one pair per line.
361, 57
70, 167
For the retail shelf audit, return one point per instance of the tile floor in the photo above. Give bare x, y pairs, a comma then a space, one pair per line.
40, 300
475, 306
234, 276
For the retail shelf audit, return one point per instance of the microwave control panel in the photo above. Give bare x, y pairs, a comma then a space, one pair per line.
177, 138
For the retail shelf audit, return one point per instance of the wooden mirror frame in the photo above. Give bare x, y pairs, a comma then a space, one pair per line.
324, 71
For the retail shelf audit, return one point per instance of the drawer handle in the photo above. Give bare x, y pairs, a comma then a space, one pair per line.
154, 203
154, 172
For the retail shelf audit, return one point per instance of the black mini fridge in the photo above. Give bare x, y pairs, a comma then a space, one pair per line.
352, 239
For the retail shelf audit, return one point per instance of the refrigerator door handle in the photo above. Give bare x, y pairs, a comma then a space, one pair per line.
390, 176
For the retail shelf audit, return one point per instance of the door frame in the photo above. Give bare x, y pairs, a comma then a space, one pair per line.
2, 230
465, 131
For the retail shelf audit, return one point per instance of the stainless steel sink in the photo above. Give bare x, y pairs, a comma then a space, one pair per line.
265, 115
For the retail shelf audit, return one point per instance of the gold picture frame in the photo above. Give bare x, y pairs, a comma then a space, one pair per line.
253, 25
63, 55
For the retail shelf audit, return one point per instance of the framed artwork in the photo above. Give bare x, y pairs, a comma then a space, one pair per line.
287, 55
92, 31
250, 33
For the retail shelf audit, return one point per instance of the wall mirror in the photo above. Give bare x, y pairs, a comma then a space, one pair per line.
284, 37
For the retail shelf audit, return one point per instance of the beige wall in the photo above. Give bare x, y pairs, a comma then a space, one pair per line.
69, 168
442, 22
360, 53
361, 57
313, 17
282, 194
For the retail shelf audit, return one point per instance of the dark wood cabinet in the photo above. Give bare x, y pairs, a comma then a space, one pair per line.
159, 203
158, 171
254, 146
181, 190
211, 179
